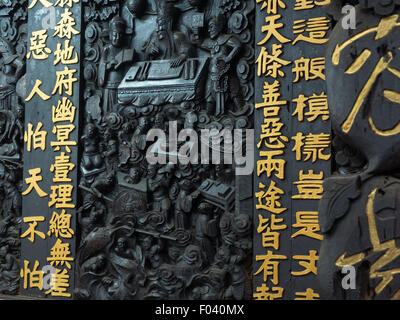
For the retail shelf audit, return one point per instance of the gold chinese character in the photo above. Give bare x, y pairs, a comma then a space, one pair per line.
271, 165
65, 111
59, 254
35, 276
38, 48
65, 80
65, 55
315, 27
44, 3
313, 146
309, 223
36, 90
317, 107
270, 266
385, 27
268, 228
271, 134
272, 5
269, 200
63, 140
271, 28
309, 262
38, 137
59, 284
264, 293
309, 294
61, 168
64, 28
309, 4
309, 69
61, 196
271, 95
60, 225
383, 270
69, 3
31, 231
32, 183
270, 65
310, 185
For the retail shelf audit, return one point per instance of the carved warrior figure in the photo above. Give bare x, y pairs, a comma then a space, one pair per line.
113, 66
359, 212
11, 70
221, 84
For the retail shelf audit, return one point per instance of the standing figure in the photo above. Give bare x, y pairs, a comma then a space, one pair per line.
11, 70
12, 199
206, 230
114, 64
221, 82
158, 184
10, 135
110, 149
184, 203
9, 272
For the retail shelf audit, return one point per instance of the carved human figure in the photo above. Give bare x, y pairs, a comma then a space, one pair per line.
110, 148
151, 251
159, 121
90, 215
133, 146
158, 184
138, 141
12, 201
134, 176
114, 63
9, 272
166, 43
103, 184
10, 135
11, 70
96, 265
184, 203
206, 230
91, 156
222, 83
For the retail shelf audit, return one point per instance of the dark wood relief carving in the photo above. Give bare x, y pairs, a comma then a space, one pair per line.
150, 231
359, 212
13, 37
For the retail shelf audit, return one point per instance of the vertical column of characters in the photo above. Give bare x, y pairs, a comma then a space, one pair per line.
270, 220
50, 157
310, 142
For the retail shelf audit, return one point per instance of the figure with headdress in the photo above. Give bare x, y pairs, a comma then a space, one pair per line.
114, 64
221, 84
166, 43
